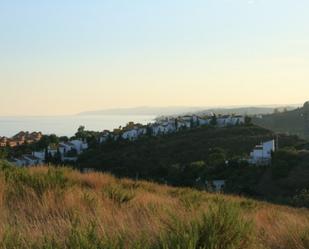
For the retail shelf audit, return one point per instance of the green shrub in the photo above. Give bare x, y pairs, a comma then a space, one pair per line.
224, 228
191, 199
19, 180
305, 238
248, 204
119, 194
84, 238
301, 199
220, 228
11, 240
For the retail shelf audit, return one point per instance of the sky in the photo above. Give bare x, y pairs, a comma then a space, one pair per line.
67, 56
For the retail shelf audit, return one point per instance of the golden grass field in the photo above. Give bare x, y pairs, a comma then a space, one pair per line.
45, 207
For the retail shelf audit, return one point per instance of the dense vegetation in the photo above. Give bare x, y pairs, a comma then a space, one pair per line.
284, 181
48, 208
153, 156
192, 157
292, 122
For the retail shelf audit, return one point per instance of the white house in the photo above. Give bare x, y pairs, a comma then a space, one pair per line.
203, 121
39, 154
157, 129
184, 124
105, 136
261, 154
230, 120
215, 185
237, 120
223, 121
168, 127
52, 150
130, 134
78, 145
69, 159
20, 162
32, 160
65, 147
142, 131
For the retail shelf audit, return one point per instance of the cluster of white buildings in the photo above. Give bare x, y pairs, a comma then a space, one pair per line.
67, 151
169, 125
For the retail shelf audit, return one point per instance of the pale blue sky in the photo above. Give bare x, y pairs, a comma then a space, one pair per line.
67, 56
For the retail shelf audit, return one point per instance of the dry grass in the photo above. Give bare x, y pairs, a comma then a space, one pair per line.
43, 209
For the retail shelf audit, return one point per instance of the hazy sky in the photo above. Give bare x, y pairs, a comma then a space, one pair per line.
67, 56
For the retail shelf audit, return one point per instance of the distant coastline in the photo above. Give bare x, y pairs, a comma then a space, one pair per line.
67, 125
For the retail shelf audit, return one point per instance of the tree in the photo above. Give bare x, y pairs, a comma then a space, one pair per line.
64, 139
176, 123
217, 158
192, 172
3, 153
81, 132
148, 131
57, 159
276, 111
48, 156
46, 140
248, 120
213, 121
53, 139
192, 124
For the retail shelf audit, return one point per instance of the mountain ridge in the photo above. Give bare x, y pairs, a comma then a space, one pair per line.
178, 110
294, 122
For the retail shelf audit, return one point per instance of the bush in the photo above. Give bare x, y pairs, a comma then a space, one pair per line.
19, 179
119, 194
221, 228
301, 199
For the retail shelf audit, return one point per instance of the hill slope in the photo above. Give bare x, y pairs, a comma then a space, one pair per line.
292, 122
60, 208
152, 157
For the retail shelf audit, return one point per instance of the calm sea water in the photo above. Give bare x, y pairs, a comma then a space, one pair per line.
67, 125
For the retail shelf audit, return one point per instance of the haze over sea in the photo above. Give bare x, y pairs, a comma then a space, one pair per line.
67, 125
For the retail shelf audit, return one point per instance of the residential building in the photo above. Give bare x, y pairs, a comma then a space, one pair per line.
262, 154
39, 154
105, 136
32, 160
215, 185
3, 141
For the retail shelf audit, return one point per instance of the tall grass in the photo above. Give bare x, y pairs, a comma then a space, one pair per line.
46, 207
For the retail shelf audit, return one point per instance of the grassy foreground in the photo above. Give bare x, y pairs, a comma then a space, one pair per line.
61, 208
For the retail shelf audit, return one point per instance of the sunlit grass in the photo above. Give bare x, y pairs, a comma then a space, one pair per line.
46, 207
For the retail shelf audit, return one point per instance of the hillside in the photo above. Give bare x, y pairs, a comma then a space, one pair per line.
194, 157
154, 157
250, 110
60, 208
292, 122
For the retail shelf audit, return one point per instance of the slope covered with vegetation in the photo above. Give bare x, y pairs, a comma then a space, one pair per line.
293, 122
155, 157
60, 208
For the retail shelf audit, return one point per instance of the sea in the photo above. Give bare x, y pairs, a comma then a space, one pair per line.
67, 125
